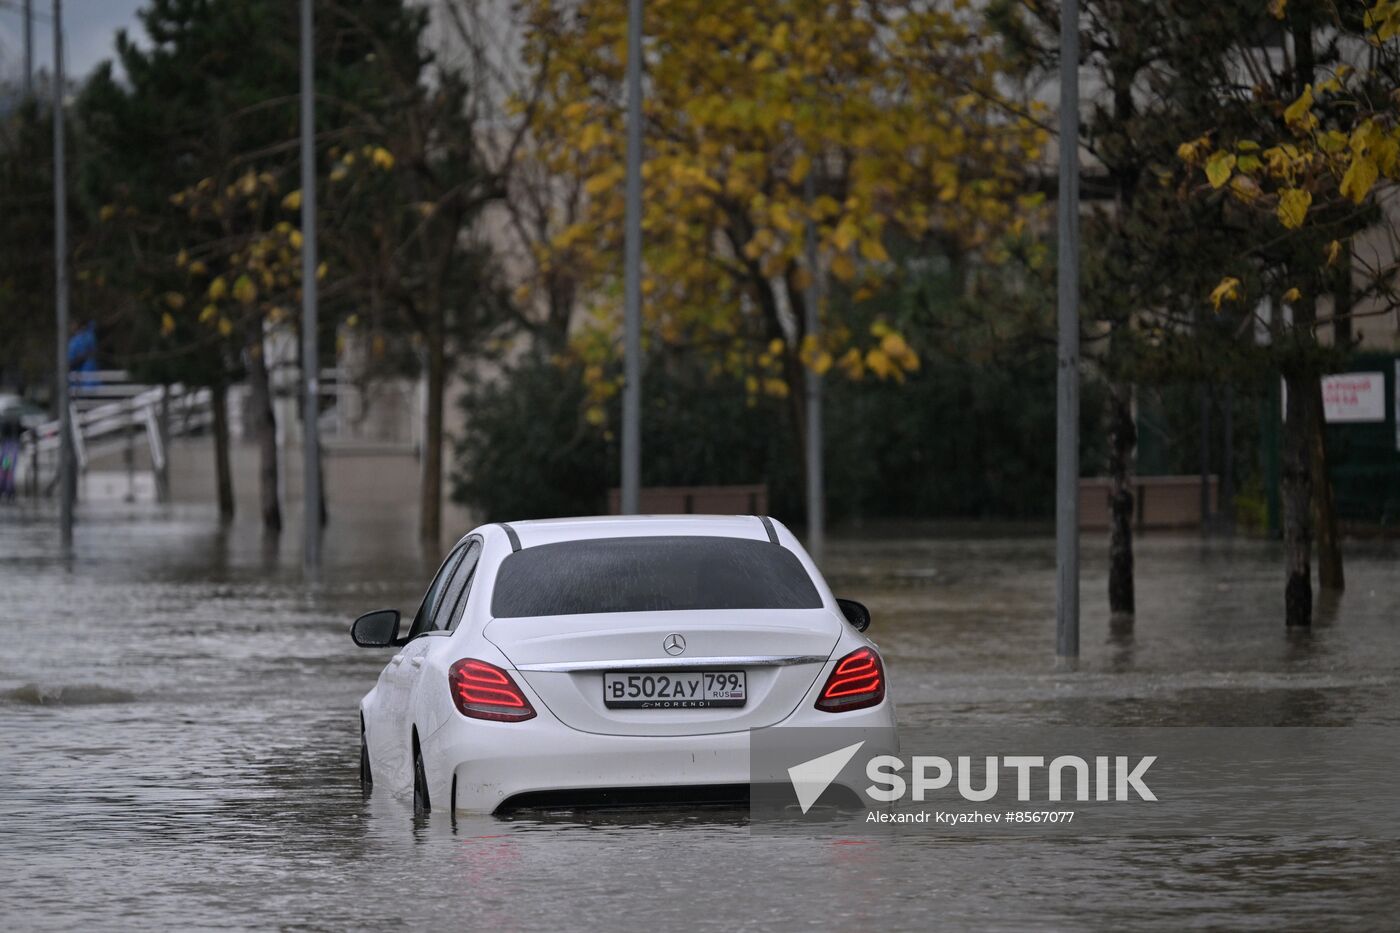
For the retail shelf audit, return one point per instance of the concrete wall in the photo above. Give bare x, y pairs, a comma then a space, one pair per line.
1160, 502
366, 479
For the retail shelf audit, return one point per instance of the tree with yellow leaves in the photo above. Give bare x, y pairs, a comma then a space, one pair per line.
1297, 158
890, 109
195, 154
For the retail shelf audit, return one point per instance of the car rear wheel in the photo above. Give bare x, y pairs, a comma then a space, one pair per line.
421, 804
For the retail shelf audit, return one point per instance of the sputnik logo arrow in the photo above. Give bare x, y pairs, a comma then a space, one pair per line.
812, 777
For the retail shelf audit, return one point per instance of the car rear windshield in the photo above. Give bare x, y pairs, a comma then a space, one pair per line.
651, 574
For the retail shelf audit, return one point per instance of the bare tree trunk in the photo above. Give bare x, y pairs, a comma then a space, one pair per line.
265, 426
223, 475
1296, 481
1227, 464
1329, 547
795, 373
1206, 511
430, 501
1121, 598
1299, 383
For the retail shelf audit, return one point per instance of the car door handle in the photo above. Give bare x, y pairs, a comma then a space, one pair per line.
416, 662
396, 660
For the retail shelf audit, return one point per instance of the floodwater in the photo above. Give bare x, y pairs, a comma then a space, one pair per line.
178, 719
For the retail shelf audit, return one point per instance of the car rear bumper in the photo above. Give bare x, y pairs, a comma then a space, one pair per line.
477, 766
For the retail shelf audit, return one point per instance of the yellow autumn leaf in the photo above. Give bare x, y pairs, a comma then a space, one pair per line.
880, 364
244, 291
1219, 166
292, 202
338, 173
167, 324
592, 136
895, 347
382, 158
776, 346
321, 271
1293, 294
1190, 152
842, 267
1298, 115
174, 300
852, 363
208, 313
845, 234
800, 167
1359, 178
595, 415
294, 238
1227, 290
225, 326
1278, 8
107, 212
599, 183
217, 288
872, 249
1334, 249
1331, 141
1293, 204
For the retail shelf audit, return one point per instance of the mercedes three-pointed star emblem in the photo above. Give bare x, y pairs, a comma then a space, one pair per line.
674, 644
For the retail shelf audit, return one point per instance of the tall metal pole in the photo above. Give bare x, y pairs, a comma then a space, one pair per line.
816, 484
1067, 395
632, 284
310, 358
28, 49
67, 480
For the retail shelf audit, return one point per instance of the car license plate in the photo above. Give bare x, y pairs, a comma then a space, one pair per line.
674, 689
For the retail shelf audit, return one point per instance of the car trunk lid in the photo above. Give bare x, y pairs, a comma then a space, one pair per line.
563, 659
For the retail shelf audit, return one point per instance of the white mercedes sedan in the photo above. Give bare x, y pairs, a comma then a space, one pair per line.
610, 661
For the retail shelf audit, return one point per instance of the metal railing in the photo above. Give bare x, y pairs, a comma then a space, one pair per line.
108, 412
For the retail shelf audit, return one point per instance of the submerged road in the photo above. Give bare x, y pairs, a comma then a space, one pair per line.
178, 723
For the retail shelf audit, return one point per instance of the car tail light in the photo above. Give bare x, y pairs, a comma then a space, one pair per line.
857, 681
484, 691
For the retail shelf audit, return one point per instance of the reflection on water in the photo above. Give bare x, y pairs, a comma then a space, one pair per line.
177, 708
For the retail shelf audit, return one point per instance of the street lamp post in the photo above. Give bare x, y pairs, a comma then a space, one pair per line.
632, 274
310, 358
1067, 394
29, 48
67, 481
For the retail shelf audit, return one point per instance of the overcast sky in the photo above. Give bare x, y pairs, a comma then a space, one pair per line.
90, 27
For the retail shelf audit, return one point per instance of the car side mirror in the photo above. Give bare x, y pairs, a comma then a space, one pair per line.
378, 629
855, 613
